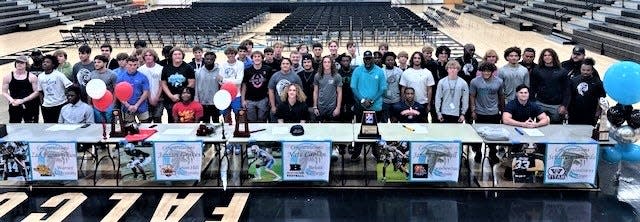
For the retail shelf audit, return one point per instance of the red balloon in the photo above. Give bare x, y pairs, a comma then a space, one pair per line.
103, 103
124, 91
231, 88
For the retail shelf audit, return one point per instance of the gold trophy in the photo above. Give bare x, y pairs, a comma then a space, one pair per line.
601, 131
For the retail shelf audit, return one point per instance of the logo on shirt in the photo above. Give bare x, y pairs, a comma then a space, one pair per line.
283, 83
230, 72
257, 80
582, 88
176, 80
467, 69
391, 79
84, 76
187, 116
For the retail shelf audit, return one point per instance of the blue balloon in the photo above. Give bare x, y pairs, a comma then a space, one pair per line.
631, 152
622, 82
611, 155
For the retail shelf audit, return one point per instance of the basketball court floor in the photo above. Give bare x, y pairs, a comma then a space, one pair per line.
615, 202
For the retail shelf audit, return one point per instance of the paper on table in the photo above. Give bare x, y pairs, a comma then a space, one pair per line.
280, 130
61, 127
420, 129
178, 131
533, 132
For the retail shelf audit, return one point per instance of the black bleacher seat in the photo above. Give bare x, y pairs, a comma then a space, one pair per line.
631, 13
13, 8
491, 7
5, 15
542, 24
484, 13
617, 29
22, 19
503, 4
626, 21
7, 4
581, 4
612, 45
547, 14
553, 7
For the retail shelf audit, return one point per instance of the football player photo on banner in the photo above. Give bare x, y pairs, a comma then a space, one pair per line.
53, 161
178, 160
393, 162
306, 161
15, 161
264, 161
571, 163
433, 161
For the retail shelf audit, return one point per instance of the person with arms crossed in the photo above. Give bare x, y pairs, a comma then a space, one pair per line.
586, 91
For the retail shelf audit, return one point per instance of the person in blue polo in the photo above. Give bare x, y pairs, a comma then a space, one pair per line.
136, 106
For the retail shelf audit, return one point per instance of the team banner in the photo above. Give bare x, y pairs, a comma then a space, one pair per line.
435, 161
306, 161
571, 163
53, 161
178, 160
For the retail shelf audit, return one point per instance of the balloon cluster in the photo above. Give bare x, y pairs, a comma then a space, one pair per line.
622, 84
222, 99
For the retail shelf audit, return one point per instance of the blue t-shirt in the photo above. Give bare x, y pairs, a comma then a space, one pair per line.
140, 84
521, 112
369, 84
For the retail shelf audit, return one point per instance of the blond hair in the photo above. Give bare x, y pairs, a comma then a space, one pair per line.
490, 52
301, 97
453, 64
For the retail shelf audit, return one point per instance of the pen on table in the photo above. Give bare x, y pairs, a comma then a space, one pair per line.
255, 131
409, 128
519, 131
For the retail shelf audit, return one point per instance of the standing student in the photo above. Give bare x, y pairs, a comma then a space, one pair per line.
255, 89
207, 84
439, 71
352, 49
348, 100
106, 50
469, 63
244, 56
307, 77
293, 109
486, 100
65, 67
75, 111
278, 46
383, 48
197, 62
403, 57
153, 72
549, 82
327, 92
278, 83
269, 61
303, 49
249, 45
52, 85
122, 63
377, 58
528, 57
82, 70
317, 54
420, 79
175, 76
137, 105
513, 74
574, 64
491, 56
586, 91
20, 88
392, 75
187, 110
427, 52
232, 71
452, 97
109, 78
166, 53
295, 56
36, 67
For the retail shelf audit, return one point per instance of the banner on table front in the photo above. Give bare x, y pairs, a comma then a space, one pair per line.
434, 161
571, 163
53, 161
178, 160
306, 161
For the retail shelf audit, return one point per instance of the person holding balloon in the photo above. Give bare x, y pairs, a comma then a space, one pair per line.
232, 72
75, 111
109, 78
132, 90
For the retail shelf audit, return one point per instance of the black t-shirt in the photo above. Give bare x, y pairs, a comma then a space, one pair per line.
257, 82
529, 66
347, 93
292, 114
585, 96
274, 66
469, 67
523, 162
177, 77
521, 112
439, 71
307, 84
113, 64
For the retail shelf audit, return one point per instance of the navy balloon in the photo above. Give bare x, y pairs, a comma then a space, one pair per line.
622, 82
630, 152
634, 119
616, 115
611, 155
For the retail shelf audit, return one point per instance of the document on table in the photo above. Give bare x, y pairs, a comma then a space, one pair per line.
280, 130
183, 131
63, 127
420, 129
533, 132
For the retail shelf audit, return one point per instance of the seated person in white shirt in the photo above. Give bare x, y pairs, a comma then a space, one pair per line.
75, 111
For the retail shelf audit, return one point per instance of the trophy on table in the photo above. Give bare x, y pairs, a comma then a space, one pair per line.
117, 124
601, 131
242, 125
369, 127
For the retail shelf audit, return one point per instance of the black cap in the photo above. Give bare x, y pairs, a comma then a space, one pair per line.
307, 56
36, 52
297, 130
578, 49
367, 54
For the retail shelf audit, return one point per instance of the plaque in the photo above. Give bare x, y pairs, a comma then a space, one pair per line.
369, 127
601, 131
242, 126
117, 124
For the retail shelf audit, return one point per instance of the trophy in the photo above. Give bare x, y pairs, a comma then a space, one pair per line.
117, 124
601, 131
242, 126
369, 127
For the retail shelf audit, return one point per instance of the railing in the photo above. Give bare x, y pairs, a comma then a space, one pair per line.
555, 13
590, 3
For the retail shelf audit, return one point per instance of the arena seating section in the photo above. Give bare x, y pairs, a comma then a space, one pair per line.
613, 30
176, 26
24, 15
366, 24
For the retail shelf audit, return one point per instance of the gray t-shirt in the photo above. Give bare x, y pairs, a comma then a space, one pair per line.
206, 84
512, 78
393, 88
452, 97
327, 95
109, 78
279, 81
487, 95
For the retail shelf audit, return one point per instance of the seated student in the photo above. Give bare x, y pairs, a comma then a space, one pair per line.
521, 112
187, 110
293, 109
75, 111
408, 110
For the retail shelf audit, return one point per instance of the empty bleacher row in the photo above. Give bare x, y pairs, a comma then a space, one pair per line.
617, 36
175, 26
15, 16
362, 24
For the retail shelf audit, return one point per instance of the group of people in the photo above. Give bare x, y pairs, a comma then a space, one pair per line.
308, 86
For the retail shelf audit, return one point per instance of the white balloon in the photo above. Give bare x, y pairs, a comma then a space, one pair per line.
96, 88
222, 99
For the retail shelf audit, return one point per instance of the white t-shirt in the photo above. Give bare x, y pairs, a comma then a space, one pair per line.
153, 74
232, 73
53, 87
419, 80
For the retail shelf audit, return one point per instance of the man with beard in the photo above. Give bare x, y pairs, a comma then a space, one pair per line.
528, 57
586, 91
574, 64
255, 89
36, 67
82, 70
392, 75
207, 84
469, 63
